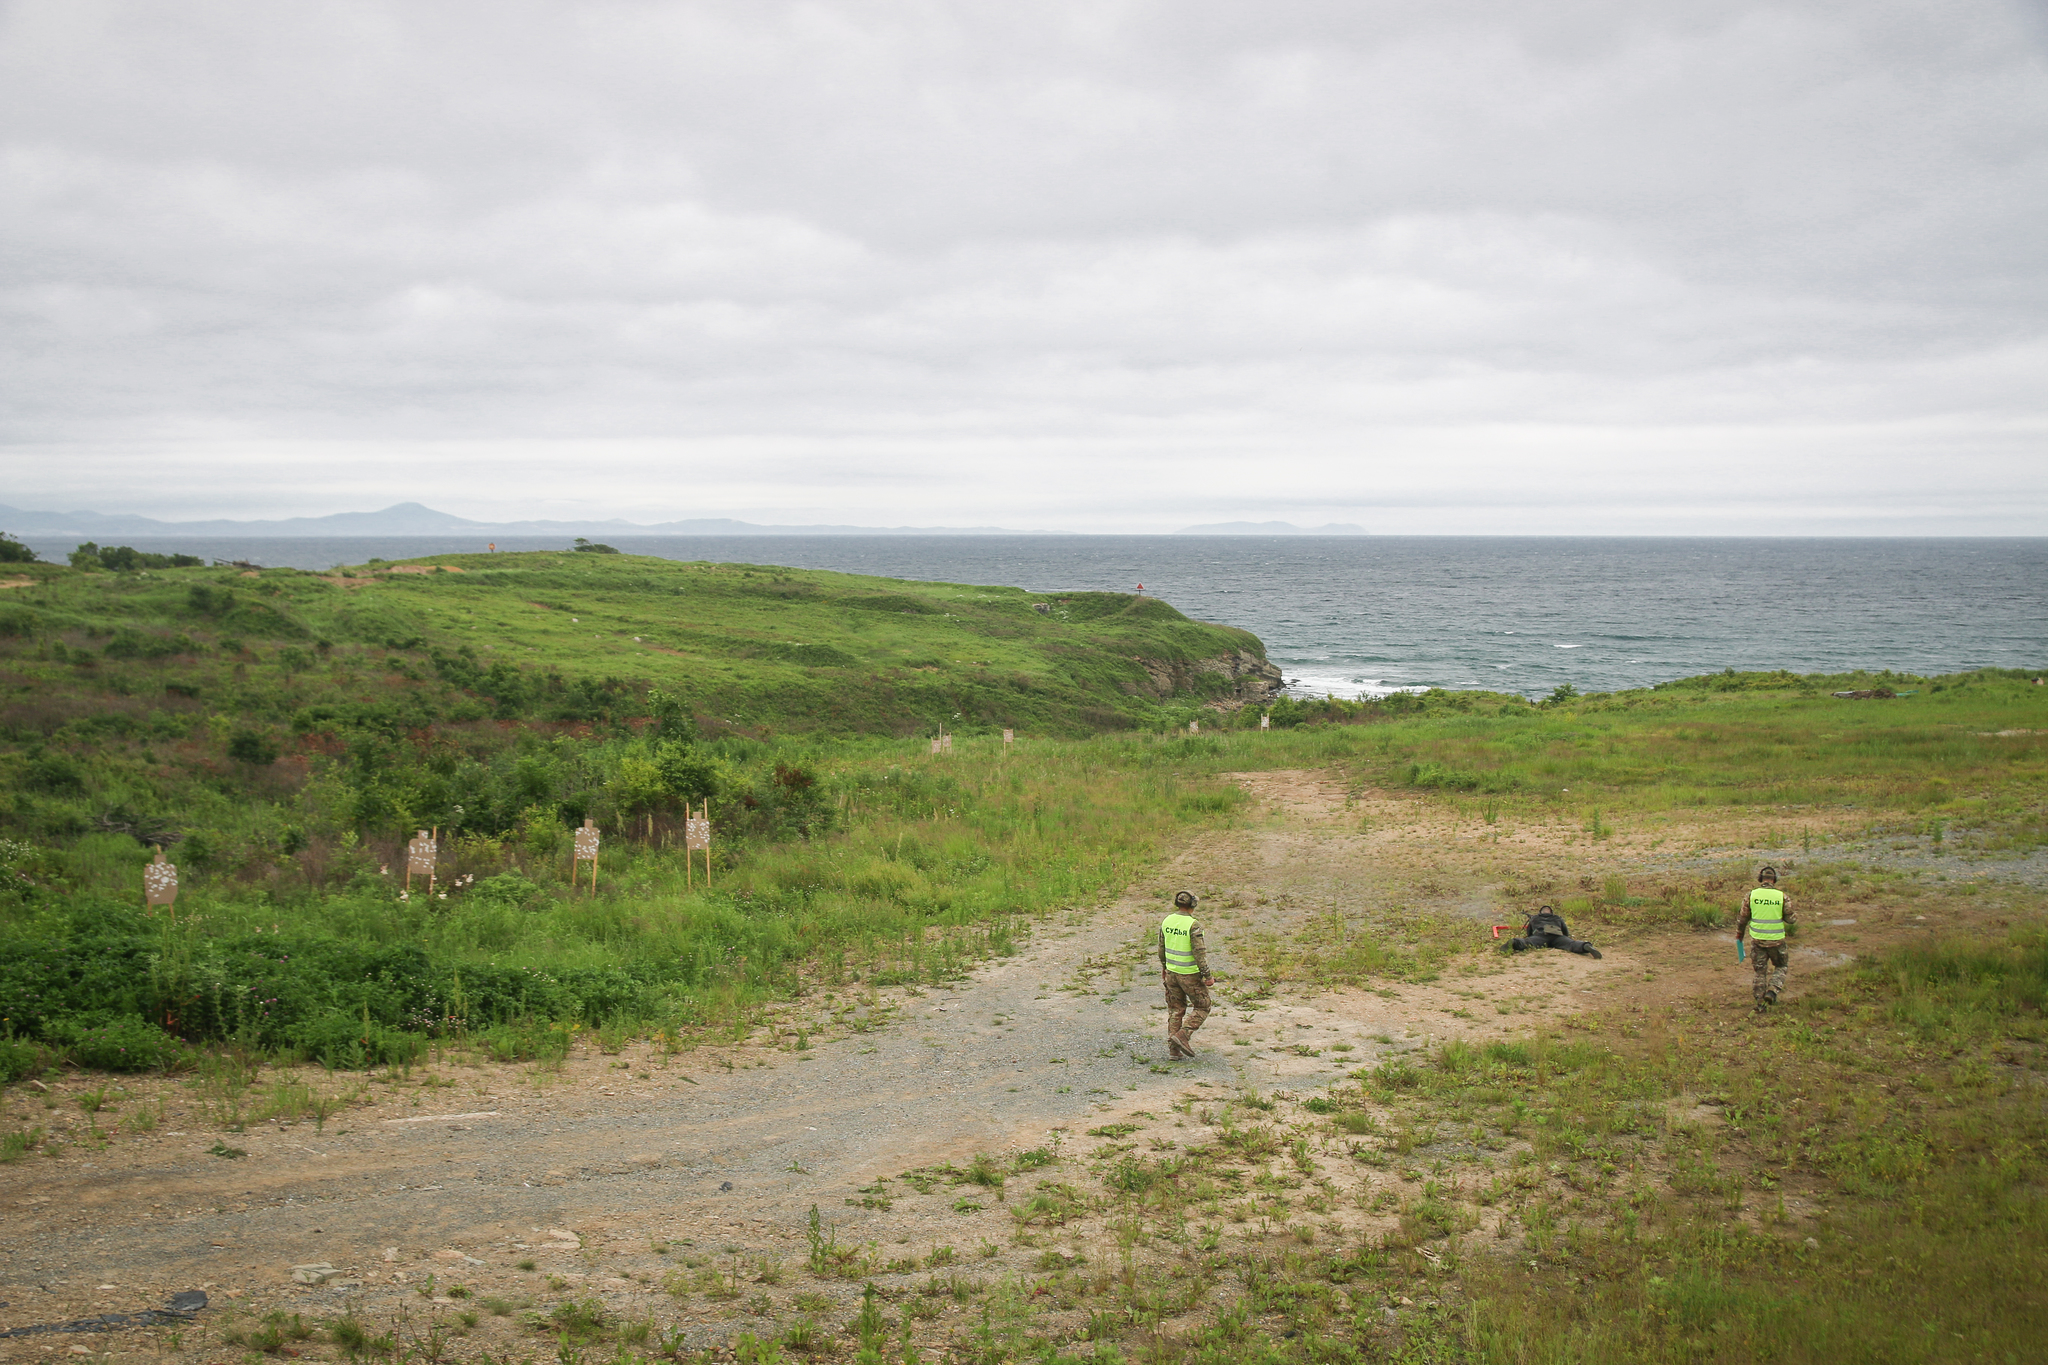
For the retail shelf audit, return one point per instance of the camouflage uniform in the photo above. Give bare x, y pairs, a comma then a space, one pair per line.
1768, 961
1187, 993
1187, 999
1768, 958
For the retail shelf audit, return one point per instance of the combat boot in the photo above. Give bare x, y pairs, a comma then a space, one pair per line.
1174, 1049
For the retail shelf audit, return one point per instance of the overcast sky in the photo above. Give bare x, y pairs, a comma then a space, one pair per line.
1116, 265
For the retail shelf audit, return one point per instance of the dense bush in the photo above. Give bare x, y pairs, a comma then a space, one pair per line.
132, 644
118, 1042
247, 746
127, 558
20, 1058
93, 981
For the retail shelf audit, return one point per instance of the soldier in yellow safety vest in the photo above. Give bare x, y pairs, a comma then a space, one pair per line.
1766, 920
1184, 971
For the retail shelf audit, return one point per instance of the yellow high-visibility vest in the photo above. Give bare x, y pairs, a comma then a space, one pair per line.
1178, 933
1767, 914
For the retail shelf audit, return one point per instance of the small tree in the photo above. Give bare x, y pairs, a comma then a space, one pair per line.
672, 718
13, 551
687, 776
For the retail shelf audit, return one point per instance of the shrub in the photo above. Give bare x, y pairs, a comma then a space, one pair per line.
56, 774
20, 1060
23, 867
127, 558
119, 1043
342, 1042
131, 644
510, 890
247, 746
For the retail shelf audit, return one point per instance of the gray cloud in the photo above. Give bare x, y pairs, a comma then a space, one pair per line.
1428, 266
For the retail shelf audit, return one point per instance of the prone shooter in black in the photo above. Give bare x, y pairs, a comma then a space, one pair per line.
1547, 929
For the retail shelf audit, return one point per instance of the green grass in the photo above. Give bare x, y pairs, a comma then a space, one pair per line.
284, 732
1751, 742
1865, 1186
579, 637
840, 864
1868, 1188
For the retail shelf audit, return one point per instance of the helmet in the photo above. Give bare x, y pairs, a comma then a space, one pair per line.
1184, 900
1767, 873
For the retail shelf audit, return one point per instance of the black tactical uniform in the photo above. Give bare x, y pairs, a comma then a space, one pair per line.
1547, 929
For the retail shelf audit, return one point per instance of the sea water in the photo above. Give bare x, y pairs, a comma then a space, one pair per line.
1359, 616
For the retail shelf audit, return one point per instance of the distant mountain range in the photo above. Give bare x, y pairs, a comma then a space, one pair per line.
411, 519
1270, 528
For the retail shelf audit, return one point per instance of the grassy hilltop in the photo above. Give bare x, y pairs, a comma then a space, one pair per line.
577, 637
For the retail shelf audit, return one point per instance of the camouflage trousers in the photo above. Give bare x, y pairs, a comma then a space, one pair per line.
1768, 961
1187, 999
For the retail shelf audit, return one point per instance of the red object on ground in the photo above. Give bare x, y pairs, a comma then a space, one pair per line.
1498, 927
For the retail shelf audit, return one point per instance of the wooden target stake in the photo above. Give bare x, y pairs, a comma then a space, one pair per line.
585, 851
419, 857
696, 835
160, 885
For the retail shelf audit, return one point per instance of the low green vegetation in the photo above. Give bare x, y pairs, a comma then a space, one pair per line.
1854, 1177
284, 780
1964, 751
141, 645
283, 733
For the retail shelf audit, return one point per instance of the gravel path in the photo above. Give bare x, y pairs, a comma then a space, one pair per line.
680, 1149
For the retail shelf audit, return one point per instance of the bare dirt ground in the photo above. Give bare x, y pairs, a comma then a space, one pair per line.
622, 1176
